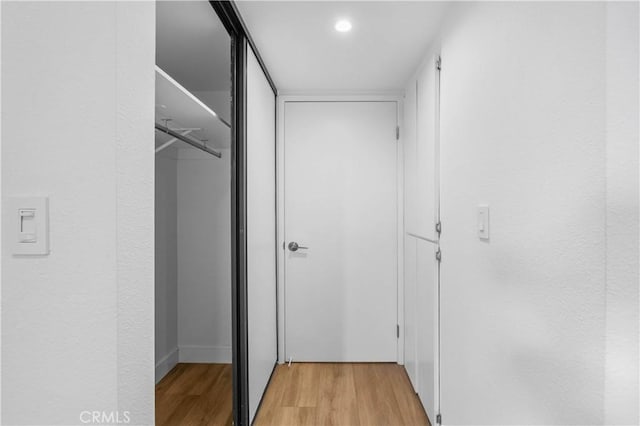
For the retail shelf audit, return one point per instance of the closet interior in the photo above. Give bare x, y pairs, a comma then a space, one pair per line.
193, 332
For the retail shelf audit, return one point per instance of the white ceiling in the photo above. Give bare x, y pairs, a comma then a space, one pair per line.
192, 45
304, 53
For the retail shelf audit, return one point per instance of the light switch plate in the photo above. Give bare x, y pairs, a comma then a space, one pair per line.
483, 222
29, 229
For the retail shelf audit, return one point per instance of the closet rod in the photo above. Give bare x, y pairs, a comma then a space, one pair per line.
186, 139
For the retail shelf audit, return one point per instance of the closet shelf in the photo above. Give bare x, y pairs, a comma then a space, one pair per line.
179, 110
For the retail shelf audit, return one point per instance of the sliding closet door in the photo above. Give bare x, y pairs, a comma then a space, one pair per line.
196, 322
261, 231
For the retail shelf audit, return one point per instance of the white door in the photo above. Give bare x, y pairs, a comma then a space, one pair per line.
428, 205
421, 156
341, 204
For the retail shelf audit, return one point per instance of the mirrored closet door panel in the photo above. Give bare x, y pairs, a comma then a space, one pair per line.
193, 297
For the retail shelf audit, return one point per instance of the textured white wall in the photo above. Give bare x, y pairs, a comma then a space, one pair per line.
166, 262
204, 257
523, 129
135, 84
622, 115
261, 231
77, 325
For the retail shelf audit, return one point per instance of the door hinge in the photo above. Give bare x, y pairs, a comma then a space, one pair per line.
439, 419
398, 331
397, 133
438, 63
439, 255
439, 228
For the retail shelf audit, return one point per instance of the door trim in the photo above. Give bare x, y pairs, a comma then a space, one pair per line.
280, 216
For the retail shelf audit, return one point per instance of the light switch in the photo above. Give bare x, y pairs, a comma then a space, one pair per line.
30, 233
483, 222
28, 228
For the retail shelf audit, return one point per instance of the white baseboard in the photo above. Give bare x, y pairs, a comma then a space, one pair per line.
166, 363
205, 354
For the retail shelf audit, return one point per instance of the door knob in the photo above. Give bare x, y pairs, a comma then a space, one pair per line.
293, 246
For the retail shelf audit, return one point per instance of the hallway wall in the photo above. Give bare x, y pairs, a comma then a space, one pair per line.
77, 100
524, 129
623, 140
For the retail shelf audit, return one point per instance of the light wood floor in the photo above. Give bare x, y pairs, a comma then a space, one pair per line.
301, 395
195, 394
340, 395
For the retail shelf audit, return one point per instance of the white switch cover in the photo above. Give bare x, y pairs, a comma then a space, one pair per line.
29, 231
483, 222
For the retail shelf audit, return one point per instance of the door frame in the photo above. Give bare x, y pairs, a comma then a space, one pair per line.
281, 101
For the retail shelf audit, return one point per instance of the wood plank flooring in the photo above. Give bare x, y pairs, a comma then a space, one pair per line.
195, 394
342, 394
301, 395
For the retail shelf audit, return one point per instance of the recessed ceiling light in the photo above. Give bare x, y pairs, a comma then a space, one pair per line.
343, 26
